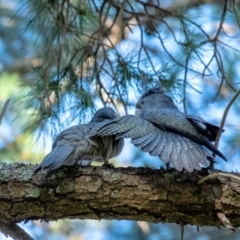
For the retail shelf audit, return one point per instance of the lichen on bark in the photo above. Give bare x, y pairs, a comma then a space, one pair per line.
117, 193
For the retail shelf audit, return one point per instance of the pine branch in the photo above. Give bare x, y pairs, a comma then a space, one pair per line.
119, 193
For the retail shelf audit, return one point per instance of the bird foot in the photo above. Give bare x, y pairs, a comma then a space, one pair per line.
167, 166
108, 165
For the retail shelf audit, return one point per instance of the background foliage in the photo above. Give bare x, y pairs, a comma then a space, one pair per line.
60, 60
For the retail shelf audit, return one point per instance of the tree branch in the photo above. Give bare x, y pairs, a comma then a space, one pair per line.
224, 118
14, 231
117, 193
4, 109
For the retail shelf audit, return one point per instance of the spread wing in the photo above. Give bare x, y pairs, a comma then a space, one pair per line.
180, 151
157, 118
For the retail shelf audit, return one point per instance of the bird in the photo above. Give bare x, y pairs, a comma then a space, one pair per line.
160, 129
158, 108
74, 145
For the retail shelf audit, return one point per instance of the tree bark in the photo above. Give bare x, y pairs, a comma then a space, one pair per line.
118, 193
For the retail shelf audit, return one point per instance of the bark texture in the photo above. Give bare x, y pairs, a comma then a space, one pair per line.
118, 193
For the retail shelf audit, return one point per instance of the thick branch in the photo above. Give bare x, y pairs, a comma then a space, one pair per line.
118, 193
14, 231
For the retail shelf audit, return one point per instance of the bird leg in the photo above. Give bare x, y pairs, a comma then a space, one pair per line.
107, 164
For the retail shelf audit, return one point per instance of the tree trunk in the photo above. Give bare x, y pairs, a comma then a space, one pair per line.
118, 193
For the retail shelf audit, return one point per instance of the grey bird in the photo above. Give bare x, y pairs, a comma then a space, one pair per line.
162, 130
74, 145
158, 108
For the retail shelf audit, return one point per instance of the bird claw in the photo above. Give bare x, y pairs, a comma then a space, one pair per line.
108, 165
168, 166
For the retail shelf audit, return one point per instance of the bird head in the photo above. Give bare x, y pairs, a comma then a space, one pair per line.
104, 114
154, 98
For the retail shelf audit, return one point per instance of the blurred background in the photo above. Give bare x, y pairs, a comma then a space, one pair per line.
62, 60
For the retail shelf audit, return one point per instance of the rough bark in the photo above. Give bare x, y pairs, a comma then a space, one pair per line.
118, 193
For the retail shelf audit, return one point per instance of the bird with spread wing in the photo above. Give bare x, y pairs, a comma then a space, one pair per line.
162, 130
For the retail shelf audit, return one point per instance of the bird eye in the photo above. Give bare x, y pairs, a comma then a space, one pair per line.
139, 104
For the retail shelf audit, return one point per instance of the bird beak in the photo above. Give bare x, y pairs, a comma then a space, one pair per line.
138, 112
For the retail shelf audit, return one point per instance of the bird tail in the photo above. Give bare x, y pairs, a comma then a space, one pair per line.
55, 159
207, 129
